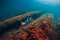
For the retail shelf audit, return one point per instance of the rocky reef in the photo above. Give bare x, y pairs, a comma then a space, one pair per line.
30, 26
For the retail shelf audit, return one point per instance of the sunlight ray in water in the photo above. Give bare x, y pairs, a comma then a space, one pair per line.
51, 2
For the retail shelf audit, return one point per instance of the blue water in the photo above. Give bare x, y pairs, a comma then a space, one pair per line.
14, 7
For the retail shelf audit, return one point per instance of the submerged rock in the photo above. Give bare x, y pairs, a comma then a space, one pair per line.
40, 28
